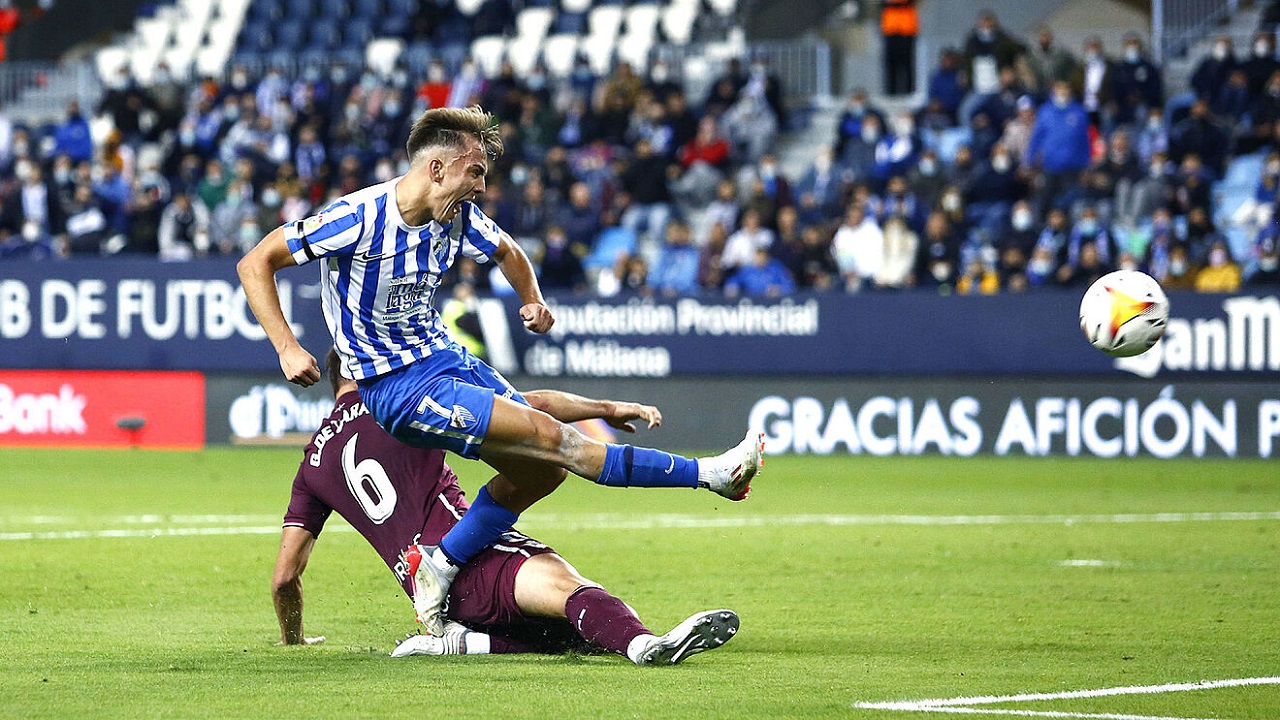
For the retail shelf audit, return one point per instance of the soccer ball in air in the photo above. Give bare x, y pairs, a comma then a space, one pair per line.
1124, 313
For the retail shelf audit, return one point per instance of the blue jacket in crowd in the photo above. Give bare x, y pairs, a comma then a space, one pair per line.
1060, 138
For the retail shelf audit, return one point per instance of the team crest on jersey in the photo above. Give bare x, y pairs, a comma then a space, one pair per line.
462, 417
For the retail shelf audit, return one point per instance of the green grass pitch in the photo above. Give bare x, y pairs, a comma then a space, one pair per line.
858, 580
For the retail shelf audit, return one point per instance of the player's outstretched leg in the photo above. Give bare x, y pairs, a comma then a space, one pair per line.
703, 631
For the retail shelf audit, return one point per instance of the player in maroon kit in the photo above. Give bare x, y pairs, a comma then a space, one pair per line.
516, 596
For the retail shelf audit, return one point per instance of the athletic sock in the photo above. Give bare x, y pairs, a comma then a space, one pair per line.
604, 620
479, 528
628, 466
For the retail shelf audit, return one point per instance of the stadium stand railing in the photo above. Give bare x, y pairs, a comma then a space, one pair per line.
1176, 25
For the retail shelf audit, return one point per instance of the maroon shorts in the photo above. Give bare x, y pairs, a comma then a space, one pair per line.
484, 592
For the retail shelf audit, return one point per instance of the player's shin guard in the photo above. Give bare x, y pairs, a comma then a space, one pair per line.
628, 466
479, 528
602, 619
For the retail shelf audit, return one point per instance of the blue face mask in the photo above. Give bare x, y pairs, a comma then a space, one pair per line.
1087, 227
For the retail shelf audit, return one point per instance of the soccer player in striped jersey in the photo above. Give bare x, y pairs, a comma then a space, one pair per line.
382, 252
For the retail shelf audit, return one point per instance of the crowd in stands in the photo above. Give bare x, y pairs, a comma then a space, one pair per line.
1027, 167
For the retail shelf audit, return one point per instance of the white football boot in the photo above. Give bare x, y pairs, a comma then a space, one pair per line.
430, 584
703, 631
453, 642
730, 473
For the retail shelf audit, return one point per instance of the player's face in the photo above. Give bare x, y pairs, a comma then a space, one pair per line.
464, 180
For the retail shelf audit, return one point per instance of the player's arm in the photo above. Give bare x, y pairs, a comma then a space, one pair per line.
515, 266
286, 584
567, 407
257, 270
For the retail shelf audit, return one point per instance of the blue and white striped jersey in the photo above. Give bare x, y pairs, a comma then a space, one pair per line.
380, 275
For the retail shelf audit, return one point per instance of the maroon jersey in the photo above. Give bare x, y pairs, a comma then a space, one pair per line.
391, 493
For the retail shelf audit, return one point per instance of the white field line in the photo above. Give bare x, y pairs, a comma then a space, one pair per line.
266, 524
964, 705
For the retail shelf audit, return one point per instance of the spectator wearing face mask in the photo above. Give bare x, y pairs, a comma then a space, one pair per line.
1090, 231
895, 153
1265, 117
1159, 251
1211, 74
1021, 233
1152, 138
1182, 270
1046, 61
926, 179
1139, 87
1268, 265
858, 247
850, 125
1221, 274
1262, 62
988, 48
859, 155
939, 253
818, 192
1097, 84
1059, 146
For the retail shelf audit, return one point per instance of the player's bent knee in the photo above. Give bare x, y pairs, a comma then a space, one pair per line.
544, 583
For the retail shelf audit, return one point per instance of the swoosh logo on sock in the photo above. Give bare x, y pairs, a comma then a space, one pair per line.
673, 465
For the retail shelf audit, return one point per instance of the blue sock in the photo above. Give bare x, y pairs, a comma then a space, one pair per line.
479, 528
627, 466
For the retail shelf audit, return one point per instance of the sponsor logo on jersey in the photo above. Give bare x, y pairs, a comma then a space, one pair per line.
462, 417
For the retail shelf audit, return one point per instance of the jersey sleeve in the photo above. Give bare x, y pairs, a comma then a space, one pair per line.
480, 235
305, 509
336, 230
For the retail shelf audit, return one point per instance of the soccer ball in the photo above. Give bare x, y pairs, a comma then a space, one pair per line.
1124, 313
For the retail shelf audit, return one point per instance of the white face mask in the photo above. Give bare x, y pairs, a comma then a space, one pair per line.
1022, 220
30, 231
1061, 100
1218, 258
1001, 163
940, 271
1219, 52
928, 167
1177, 267
1040, 266
1269, 263
950, 203
870, 134
1129, 265
1262, 49
1132, 54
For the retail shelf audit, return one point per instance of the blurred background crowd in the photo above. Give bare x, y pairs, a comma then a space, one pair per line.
1029, 165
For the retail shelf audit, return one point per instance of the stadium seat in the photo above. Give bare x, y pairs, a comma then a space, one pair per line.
382, 54
532, 23
487, 52
179, 58
195, 11
599, 55
604, 21
300, 9
677, 24
570, 23
452, 54
408, 8
368, 8
523, 53
358, 33
267, 10
109, 60
417, 56
256, 38
325, 34
454, 29
642, 20
470, 7
634, 49
290, 34
559, 53
337, 9
281, 58
723, 7
396, 26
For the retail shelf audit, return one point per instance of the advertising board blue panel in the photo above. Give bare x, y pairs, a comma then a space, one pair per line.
140, 314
